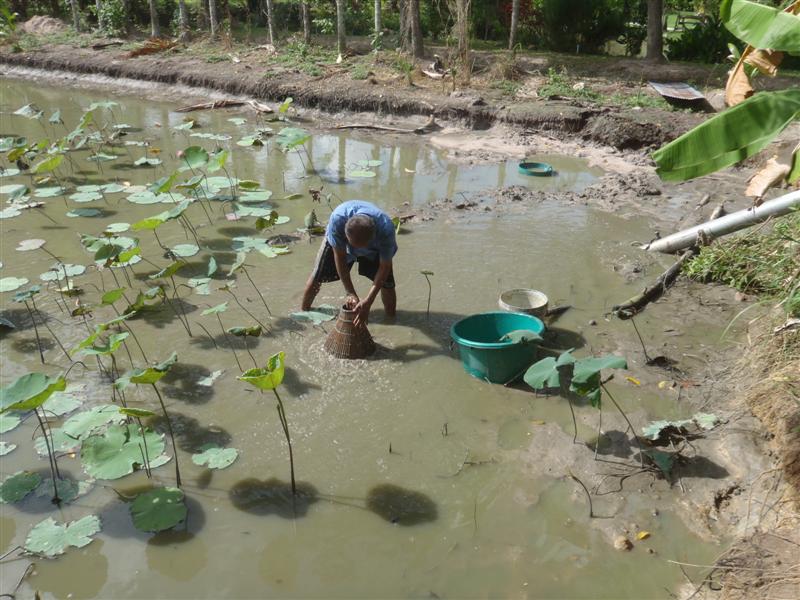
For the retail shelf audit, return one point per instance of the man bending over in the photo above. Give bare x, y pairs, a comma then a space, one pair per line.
357, 232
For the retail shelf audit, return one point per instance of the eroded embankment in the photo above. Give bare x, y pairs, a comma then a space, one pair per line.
337, 91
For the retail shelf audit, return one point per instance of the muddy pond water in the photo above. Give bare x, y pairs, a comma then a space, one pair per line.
416, 480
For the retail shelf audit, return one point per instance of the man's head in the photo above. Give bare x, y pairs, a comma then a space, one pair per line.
359, 230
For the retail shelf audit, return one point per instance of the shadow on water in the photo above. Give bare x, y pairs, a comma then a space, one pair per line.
295, 385
116, 518
28, 345
190, 434
612, 443
401, 506
273, 497
181, 383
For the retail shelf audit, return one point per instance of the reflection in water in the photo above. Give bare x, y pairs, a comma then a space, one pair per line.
51, 575
400, 505
8, 528
179, 555
273, 497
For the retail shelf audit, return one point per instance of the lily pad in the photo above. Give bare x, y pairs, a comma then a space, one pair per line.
6, 448
194, 157
706, 421
291, 137
12, 188
237, 120
219, 137
113, 188
201, 285
59, 442
255, 196
32, 244
118, 450
321, 314
221, 182
10, 212
68, 489
84, 197
50, 538
143, 197
118, 227
361, 174
219, 308
101, 157
185, 250
61, 403
366, 164
15, 487
158, 509
9, 172
215, 457
146, 162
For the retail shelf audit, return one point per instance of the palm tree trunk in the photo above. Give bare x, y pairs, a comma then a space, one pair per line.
341, 33
270, 22
76, 16
306, 10
99, 8
512, 34
405, 29
655, 33
378, 20
212, 16
183, 20
417, 45
155, 28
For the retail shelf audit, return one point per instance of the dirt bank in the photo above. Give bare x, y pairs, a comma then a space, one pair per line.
336, 90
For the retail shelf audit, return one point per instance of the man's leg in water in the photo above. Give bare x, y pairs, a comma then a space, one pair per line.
311, 291
389, 298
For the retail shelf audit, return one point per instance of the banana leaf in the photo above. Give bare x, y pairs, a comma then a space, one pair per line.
762, 26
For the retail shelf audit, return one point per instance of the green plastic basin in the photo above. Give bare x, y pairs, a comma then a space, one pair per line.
483, 354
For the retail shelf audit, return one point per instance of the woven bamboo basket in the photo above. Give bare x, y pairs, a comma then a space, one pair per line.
348, 341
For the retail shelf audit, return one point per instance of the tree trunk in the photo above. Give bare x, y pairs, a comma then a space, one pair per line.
183, 20
99, 9
405, 25
655, 33
341, 33
306, 12
212, 17
155, 28
270, 22
76, 15
378, 24
512, 34
462, 8
202, 16
417, 46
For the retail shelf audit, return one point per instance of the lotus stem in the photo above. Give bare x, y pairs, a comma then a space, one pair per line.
36, 332
249, 314
256, 289
230, 345
213, 341
135, 339
574, 421
247, 347
430, 291
180, 303
285, 425
599, 430
50, 456
171, 434
585, 489
145, 454
624, 416
55, 337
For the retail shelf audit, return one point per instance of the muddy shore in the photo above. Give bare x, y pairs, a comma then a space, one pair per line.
613, 139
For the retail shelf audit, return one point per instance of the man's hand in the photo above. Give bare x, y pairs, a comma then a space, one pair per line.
362, 313
351, 301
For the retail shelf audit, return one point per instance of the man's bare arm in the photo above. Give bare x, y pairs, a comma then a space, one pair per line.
340, 258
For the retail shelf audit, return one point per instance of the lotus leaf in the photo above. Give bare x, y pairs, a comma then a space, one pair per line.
32, 244
215, 457
544, 374
15, 487
200, 285
12, 188
10, 212
9, 172
109, 347
83, 197
185, 126
237, 120
361, 174
268, 378
250, 140
209, 381
366, 164
113, 188
9, 284
167, 271
59, 442
212, 266
50, 539
317, 316
9, 422
291, 137
48, 164
185, 250
29, 111
61, 403
146, 162
60, 271
149, 375
158, 509
30, 391
118, 450
6, 448
68, 489
139, 413
83, 424
106, 104
49, 192
101, 157
219, 137
219, 308
252, 331
194, 157
706, 421
84, 212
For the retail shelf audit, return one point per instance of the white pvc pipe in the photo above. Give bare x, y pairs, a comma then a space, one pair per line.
727, 224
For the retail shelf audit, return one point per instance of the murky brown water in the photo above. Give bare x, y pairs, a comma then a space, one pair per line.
375, 523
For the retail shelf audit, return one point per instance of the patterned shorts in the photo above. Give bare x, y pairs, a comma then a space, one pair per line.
325, 267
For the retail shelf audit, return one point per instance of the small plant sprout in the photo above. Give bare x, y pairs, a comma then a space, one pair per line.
239, 264
169, 272
139, 414
244, 333
150, 376
269, 378
29, 392
428, 275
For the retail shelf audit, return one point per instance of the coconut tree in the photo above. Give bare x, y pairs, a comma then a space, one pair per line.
270, 21
417, 46
76, 15
378, 21
212, 17
305, 10
655, 32
341, 32
155, 28
512, 34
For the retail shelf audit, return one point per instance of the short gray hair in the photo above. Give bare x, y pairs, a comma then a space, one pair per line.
360, 228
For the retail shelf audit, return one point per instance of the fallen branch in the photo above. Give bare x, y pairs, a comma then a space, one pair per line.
101, 45
259, 107
653, 292
210, 105
430, 126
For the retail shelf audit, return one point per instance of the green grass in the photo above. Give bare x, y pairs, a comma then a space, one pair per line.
507, 87
560, 84
764, 264
639, 99
360, 71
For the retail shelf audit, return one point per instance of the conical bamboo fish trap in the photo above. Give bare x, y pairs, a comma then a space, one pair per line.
347, 340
